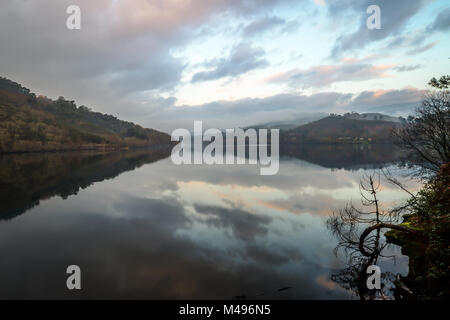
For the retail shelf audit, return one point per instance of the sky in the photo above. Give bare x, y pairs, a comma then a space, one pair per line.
165, 63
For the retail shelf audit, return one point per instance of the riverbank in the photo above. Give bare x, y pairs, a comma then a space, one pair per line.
428, 243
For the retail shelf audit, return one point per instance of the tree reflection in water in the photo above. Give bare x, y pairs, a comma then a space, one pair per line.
359, 240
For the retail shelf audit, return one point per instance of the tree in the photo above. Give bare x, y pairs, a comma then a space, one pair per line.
359, 237
442, 83
427, 134
425, 232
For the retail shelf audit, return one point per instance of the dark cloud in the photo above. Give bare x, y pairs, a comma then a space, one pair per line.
122, 62
272, 256
163, 74
392, 102
122, 49
261, 25
394, 16
442, 21
242, 59
244, 225
406, 68
42, 48
169, 213
413, 42
260, 254
407, 40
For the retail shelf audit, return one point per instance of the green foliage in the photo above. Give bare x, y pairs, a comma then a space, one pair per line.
442, 83
136, 132
11, 86
30, 123
427, 135
432, 201
429, 264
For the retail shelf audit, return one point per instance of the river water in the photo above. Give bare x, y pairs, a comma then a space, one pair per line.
140, 227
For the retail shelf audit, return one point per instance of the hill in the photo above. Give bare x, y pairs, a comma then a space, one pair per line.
36, 123
341, 129
284, 125
372, 116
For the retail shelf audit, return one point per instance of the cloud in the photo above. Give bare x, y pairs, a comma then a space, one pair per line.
442, 21
405, 68
423, 48
244, 225
412, 41
320, 2
243, 58
261, 25
406, 40
108, 43
325, 75
394, 17
244, 112
123, 48
383, 97
126, 59
162, 74
392, 102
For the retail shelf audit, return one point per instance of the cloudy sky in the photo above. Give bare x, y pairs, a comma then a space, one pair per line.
165, 63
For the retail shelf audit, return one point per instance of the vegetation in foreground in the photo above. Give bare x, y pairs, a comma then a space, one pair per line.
424, 234
35, 123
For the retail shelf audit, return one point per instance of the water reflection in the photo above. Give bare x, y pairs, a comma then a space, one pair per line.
27, 178
360, 239
162, 231
348, 156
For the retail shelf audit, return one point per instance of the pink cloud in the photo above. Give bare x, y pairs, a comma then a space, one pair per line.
351, 69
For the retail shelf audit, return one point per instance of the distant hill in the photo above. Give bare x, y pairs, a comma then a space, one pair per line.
284, 125
36, 123
306, 118
342, 129
372, 116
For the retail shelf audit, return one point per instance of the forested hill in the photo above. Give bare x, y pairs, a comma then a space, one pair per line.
342, 129
36, 123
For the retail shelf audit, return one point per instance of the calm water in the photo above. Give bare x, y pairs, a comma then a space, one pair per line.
141, 227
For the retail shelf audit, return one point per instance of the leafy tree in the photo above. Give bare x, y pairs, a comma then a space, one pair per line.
30, 123
442, 83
